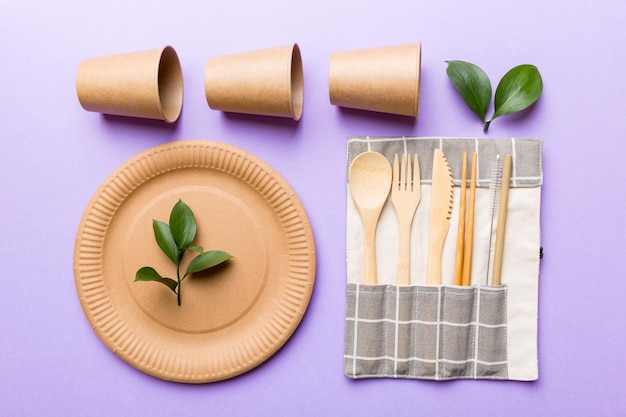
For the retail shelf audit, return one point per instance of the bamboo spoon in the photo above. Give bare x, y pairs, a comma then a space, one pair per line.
460, 237
502, 210
370, 182
469, 228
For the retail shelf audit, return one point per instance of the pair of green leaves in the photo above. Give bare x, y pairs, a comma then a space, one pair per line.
517, 90
175, 239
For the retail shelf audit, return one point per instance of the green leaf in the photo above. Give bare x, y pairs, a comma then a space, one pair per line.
198, 249
473, 85
207, 260
150, 274
518, 89
183, 225
165, 240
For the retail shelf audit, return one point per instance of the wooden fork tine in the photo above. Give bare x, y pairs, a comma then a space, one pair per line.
403, 174
395, 180
416, 176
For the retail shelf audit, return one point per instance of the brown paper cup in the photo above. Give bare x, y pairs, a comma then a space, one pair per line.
146, 84
378, 79
268, 82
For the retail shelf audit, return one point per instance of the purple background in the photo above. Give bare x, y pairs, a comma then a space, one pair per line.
54, 156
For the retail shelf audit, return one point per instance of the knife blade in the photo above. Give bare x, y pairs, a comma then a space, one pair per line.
440, 212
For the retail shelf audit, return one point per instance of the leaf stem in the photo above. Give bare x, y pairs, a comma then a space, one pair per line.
179, 282
486, 126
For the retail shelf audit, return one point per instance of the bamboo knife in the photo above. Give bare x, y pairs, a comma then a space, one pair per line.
440, 211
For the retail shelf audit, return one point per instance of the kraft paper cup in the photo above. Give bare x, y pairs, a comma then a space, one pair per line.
268, 82
147, 84
384, 79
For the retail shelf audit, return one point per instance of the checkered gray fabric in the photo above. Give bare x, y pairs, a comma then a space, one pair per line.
526, 171
426, 332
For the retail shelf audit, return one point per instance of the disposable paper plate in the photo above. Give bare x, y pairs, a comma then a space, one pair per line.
232, 318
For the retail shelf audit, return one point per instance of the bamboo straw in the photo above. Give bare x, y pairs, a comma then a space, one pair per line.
469, 228
460, 237
502, 211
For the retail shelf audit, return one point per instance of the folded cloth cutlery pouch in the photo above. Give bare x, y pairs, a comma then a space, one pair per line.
443, 332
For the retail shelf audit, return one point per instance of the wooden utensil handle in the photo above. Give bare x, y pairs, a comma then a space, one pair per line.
469, 227
369, 260
502, 211
460, 237
404, 254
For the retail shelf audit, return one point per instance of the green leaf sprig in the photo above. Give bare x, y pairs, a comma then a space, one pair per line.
175, 239
516, 91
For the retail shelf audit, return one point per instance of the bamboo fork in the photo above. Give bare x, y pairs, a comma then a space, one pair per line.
405, 196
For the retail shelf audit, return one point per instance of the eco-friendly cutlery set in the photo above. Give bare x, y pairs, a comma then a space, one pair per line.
372, 180
437, 288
